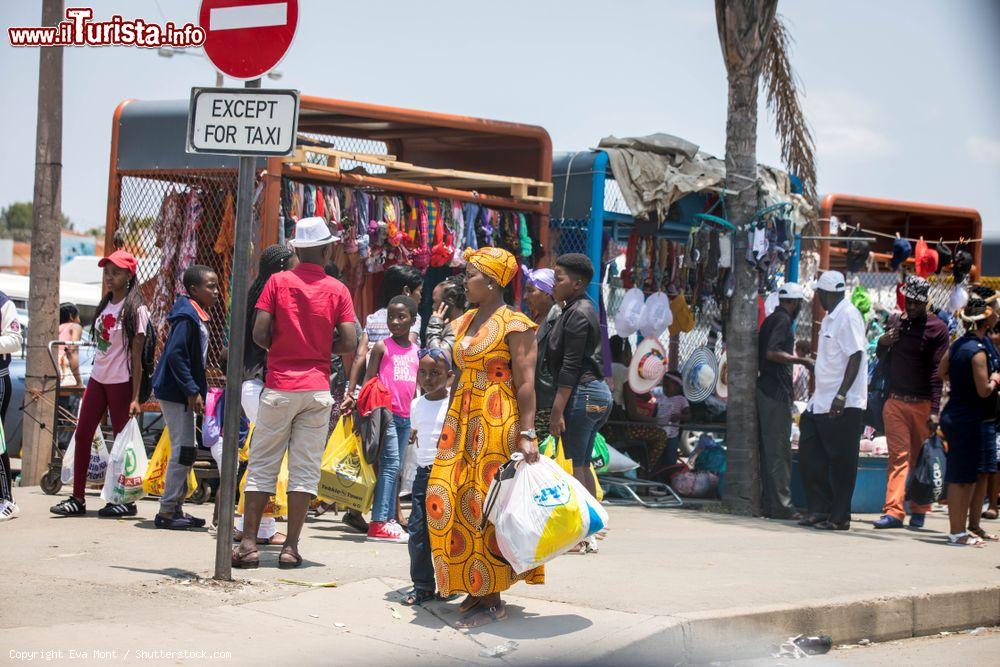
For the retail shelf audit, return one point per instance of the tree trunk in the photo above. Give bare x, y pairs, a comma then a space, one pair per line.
742, 487
43, 294
744, 27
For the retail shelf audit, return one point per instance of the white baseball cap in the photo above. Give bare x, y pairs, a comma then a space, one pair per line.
790, 291
312, 232
832, 281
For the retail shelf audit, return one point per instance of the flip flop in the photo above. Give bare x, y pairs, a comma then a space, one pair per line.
270, 540
983, 535
990, 515
967, 540
483, 617
286, 564
246, 561
416, 597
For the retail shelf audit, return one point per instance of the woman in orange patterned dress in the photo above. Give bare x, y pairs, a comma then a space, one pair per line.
492, 414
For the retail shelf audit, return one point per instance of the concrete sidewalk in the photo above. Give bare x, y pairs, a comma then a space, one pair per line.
667, 586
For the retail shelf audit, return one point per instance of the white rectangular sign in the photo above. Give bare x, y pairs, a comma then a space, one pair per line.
242, 121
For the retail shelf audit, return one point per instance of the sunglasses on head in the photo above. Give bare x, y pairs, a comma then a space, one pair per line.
434, 353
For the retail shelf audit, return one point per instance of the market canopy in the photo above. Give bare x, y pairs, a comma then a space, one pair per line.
657, 170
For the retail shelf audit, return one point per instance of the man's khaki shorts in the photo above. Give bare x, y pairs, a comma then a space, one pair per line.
295, 422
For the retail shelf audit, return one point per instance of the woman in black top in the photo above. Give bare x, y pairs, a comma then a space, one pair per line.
583, 400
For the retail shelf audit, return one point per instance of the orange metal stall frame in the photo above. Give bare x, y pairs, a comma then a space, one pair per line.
888, 217
148, 161
885, 218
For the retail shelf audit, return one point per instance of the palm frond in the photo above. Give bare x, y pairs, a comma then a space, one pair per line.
798, 149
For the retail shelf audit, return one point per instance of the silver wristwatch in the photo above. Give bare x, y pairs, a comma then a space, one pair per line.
530, 433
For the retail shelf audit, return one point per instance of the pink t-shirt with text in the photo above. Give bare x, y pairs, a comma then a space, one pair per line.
398, 372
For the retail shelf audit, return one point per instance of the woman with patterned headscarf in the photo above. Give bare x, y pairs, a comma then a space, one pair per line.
492, 415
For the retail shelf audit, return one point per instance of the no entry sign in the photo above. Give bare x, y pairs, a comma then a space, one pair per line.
242, 121
245, 39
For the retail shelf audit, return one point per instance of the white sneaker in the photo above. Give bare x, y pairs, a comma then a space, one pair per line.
9, 510
397, 531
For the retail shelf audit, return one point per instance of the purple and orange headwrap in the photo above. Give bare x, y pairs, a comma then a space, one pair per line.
541, 279
495, 263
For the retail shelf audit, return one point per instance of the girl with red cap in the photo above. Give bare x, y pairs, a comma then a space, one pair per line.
118, 331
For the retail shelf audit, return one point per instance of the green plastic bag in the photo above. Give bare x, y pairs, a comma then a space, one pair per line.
601, 460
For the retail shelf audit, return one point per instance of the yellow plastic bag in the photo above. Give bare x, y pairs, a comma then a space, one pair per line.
245, 449
277, 505
156, 473
552, 448
345, 477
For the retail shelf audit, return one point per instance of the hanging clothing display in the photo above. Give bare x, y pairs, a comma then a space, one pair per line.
385, 229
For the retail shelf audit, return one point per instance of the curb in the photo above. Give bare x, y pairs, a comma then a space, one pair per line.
753, 632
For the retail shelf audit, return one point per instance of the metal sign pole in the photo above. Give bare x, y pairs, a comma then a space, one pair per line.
234, 370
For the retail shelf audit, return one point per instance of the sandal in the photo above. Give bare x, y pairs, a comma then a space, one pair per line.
483, 617
273, 541
990, 514
417, 597
245, 560
289, 564
983, 535
967, 540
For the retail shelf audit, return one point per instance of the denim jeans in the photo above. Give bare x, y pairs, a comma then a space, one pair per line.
396, 438
419, 544
587, 410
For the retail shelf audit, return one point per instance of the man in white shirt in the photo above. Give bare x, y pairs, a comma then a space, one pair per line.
832, 423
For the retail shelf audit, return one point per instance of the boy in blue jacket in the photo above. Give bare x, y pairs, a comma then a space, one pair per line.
180, 385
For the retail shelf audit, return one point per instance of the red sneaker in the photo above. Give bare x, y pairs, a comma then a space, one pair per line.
388, 531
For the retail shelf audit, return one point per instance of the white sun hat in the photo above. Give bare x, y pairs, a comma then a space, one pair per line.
649, 363
656, 315
312, 232
629, 313
700, 374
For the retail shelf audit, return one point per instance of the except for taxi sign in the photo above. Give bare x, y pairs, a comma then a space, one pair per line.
242, 121
245, 39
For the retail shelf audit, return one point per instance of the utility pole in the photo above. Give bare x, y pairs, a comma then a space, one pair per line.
43, 295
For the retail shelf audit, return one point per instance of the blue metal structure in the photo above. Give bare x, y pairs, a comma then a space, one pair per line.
587, 203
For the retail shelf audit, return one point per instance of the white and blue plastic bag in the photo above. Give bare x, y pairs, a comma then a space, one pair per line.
541, 513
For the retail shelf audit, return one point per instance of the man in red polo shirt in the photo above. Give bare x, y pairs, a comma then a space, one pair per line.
297, 315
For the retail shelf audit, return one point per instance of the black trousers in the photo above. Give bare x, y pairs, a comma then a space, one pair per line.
774, 418
828, 461
419, 544
6, 478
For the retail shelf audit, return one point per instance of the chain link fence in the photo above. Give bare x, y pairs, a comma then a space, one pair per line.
170, 221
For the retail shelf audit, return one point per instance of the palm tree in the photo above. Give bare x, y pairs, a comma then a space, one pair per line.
754, 42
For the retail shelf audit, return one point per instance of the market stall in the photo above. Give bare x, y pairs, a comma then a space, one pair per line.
666, 257
398, 185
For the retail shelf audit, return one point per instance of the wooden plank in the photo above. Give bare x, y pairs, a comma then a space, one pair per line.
520, 188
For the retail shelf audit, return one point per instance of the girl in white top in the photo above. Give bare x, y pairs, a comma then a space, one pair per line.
427, 415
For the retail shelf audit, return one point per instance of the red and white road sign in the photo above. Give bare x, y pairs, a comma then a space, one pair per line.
245, 39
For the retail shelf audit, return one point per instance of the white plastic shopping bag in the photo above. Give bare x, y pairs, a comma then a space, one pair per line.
408, 469
127, 466
544, 513
99, 457
66, 474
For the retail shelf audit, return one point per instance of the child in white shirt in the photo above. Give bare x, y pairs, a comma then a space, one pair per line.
427, 415
671, 409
